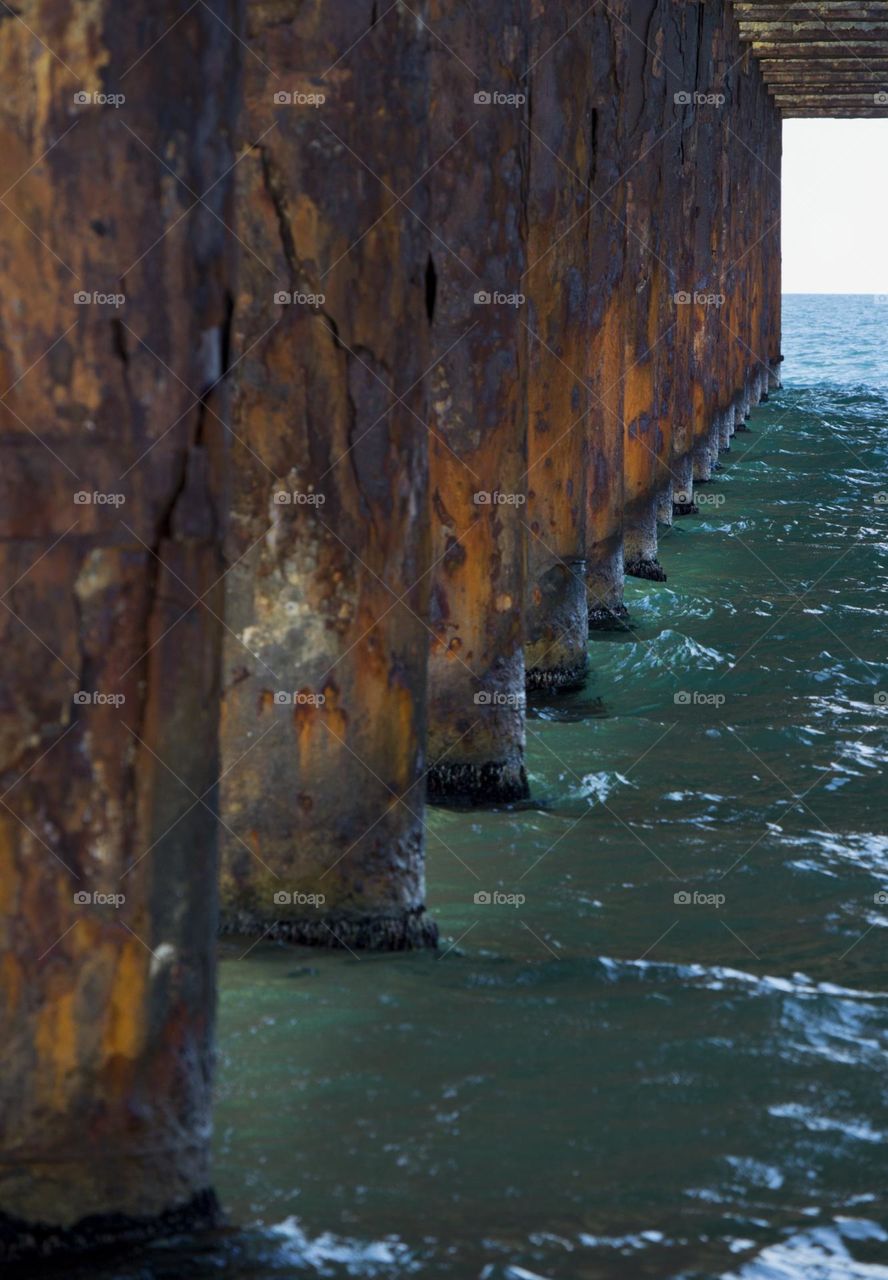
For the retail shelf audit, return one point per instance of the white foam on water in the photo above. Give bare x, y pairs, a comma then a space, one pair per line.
328, 1251
819, 1254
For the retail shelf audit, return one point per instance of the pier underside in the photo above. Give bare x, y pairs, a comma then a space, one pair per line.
827, 58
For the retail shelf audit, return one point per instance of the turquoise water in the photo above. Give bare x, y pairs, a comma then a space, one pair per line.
601, 1081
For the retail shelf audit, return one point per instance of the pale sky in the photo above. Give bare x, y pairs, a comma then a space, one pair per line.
835, 206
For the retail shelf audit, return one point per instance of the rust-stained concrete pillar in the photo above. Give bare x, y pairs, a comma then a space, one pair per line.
752, 251
614, 101
688, 215
714, 341
562, 218
324, 704
771, 338
649, 285
746, 287
712, 116
575, 389
732, 244
478, 401
768, 233
736, 196
701, 208
112, 343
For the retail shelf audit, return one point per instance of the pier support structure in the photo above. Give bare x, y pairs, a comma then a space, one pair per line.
558, 332
478, 407
116, 259
324, 704
509, 287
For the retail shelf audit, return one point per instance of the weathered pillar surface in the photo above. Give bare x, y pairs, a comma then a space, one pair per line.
112, 336
689, 100
712, 183
562, 217
615, 100
699, 274
740, 223
767, 345
399, 204
478, 402
753, 246
737, 246
324, 702
651, 191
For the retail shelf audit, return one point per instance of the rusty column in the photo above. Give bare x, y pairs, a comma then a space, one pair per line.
649, 280
714, 178
562, 219
748, 249
738, 199
773, 247
324, 706
697, 102
116, 264
752, 175
752, 263
575, 367
702, 214
759, 318
615, 98
756, 292
478, 401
